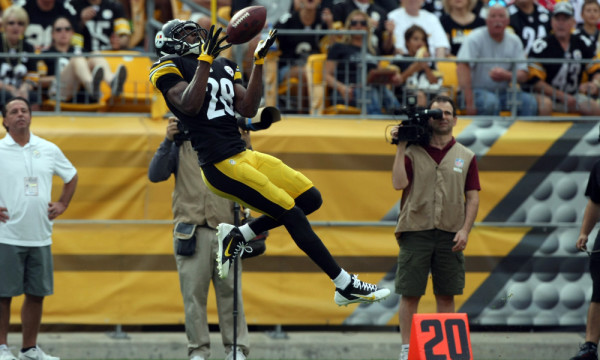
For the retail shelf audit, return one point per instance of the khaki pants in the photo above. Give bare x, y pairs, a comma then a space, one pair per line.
195, 275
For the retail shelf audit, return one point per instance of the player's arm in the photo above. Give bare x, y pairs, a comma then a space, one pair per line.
247, 100
590, 218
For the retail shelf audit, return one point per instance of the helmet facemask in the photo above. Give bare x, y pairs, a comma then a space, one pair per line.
180, 38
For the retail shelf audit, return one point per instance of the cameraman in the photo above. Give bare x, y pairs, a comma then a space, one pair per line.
438, 207
197, 211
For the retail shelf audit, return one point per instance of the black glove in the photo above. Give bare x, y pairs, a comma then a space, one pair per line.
211, 47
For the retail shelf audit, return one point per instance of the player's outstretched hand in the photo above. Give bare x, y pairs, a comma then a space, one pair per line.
211, 48
263, 47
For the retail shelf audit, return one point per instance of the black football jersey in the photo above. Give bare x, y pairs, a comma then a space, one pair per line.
214, 131
530, 27
457, 32
96, 31
565, 76
39, 31
15, 70
593, 37
296, 48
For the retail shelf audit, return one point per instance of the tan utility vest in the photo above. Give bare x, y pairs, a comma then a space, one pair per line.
193, 202
436, 194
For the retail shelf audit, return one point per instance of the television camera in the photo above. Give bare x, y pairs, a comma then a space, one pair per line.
415, 129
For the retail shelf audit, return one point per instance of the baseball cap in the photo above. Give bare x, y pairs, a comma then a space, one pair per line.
563, 7
121, 26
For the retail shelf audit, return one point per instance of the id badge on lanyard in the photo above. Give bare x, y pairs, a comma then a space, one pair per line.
31, 186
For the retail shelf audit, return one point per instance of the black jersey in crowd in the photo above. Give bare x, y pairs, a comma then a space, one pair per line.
298, 47
96, 31
457, 32
39, 31
529, 27
13, 70
565, 76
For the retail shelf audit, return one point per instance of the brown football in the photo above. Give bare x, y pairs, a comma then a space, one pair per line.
246, 24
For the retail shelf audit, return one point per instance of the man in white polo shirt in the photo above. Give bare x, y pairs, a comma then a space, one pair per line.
27, 165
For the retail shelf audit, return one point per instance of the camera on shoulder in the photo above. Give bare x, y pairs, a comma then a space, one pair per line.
415, 129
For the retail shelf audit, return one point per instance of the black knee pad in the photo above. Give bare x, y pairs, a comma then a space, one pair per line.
309, 201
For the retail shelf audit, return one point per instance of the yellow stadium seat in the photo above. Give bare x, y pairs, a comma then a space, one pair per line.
138, 91
317, 89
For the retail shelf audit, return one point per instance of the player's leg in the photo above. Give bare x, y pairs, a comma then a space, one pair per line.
264, 183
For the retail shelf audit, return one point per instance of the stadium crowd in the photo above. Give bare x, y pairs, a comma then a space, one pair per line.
101, 26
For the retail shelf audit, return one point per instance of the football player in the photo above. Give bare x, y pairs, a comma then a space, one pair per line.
204, 91
562, 81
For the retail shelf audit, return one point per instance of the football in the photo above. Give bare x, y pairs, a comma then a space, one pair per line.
246, 24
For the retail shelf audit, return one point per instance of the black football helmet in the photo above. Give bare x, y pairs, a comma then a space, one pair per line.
179, 37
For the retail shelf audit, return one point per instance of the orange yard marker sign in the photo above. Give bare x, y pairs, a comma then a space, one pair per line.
440, 337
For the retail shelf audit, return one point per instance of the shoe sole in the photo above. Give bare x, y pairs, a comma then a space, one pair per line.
120, 83
380, 294
222, 231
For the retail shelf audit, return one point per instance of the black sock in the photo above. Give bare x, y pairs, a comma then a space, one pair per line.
303, 235
27, 348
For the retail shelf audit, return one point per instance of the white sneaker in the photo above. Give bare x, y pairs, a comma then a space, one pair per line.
197, 357
239, 354
36, 354
5, 354
404, 353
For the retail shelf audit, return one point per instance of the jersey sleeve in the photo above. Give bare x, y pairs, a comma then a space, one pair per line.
164, 75
537, 71
593, 187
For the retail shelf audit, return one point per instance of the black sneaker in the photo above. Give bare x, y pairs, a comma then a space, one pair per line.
587, 351
231, 244
256, 246
359, 292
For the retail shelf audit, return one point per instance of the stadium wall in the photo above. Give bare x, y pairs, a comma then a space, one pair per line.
113, 247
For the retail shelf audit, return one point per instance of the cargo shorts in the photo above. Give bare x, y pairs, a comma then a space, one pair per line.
425, 252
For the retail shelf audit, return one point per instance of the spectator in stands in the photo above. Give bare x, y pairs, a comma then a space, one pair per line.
120, 37
420, 78
410, 13
42, 14
458, 20
77, 71
382, 29
344, 66
18, 75
485, 88
295, 49
590, 12
562, 81
97, 19
529, 20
